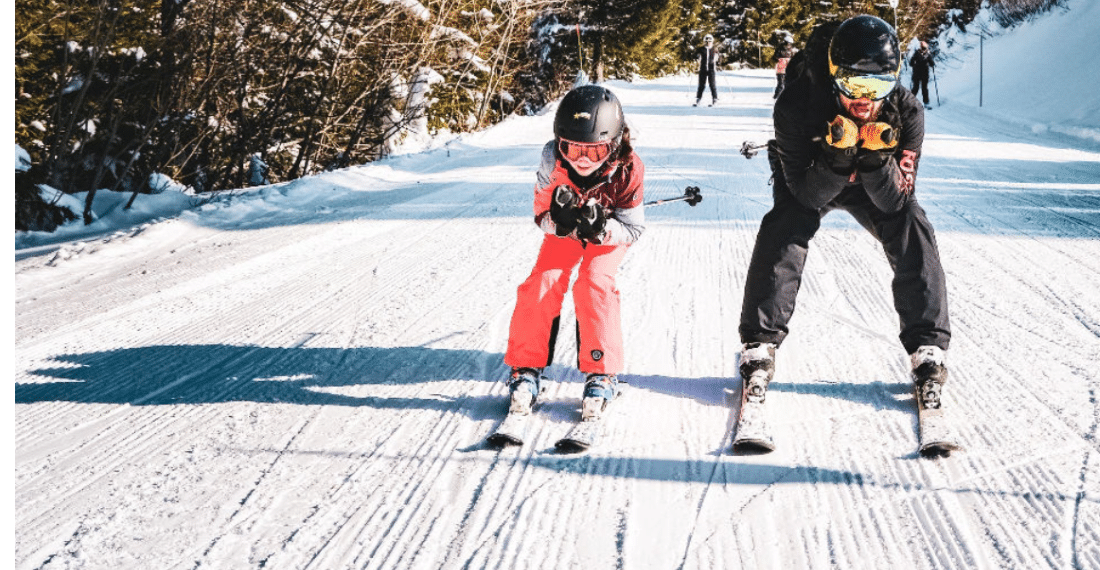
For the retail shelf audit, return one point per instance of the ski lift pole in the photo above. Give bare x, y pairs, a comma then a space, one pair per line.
691, 196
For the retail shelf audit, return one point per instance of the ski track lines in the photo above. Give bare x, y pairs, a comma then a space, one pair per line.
316, 395
319, 288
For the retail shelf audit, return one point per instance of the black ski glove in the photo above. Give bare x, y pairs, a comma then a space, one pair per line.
839, 160
592, 222
564, 210
870, 160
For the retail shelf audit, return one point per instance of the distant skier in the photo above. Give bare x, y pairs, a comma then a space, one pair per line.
847, 138
922, 63
707, 59
588, 201
782, 57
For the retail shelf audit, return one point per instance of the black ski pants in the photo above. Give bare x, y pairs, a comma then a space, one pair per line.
920, 83
704, 78
775, 271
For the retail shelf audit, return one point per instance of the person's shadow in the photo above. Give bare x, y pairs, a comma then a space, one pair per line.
217, 373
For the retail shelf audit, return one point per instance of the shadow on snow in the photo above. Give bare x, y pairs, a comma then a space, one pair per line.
218, 373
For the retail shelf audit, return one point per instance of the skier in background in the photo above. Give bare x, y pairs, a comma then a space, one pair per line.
708, 65
588, 201
782, 57
847, 138
922, 63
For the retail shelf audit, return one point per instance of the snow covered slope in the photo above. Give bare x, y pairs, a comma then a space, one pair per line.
302, 376
1042, 73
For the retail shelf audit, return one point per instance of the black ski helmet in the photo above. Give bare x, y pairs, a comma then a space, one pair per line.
589, 114
865, 45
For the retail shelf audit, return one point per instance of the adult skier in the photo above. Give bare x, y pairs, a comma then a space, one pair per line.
846, 138
708, 65
922, 63
588, 201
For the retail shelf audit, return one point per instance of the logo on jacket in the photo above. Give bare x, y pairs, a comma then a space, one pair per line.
597, 355
908, 167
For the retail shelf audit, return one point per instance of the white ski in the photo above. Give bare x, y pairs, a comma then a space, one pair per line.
513, 430
937, 435
586, 432
752, 435
582, 436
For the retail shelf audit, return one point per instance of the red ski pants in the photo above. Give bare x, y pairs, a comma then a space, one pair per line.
595, 297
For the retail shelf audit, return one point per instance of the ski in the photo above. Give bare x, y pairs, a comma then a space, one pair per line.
522, 403
937, 435
752, 435
511, 431
582, 436
588, 430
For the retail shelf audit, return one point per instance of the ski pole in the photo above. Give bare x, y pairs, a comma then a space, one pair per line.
937, 84
749, 148
691, 196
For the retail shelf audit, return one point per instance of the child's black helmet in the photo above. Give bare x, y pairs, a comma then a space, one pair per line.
589, 114
865, 45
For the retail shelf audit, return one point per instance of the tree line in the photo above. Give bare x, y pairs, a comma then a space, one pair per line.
219, 94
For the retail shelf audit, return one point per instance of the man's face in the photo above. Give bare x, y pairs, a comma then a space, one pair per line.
863, 109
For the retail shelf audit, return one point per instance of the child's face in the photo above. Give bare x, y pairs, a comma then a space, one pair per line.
585, 158
584, 166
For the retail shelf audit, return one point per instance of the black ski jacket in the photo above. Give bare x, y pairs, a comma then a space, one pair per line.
921, 62
707, 58
801, 114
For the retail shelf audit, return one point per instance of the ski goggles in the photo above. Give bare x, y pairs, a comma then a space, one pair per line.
596, 152
856, 86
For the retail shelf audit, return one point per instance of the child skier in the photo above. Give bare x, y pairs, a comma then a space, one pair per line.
588, 201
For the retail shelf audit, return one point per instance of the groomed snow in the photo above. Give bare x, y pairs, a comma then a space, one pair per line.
302, 376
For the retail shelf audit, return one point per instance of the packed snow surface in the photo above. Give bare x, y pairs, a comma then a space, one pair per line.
303, 376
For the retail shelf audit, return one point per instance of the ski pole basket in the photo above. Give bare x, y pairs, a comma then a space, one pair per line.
692, 196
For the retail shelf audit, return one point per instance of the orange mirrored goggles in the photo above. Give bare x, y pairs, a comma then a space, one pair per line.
873, 87
596, 152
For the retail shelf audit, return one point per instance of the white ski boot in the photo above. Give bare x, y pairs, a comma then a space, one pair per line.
599, 390
524, 387
757, 369
929, 374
